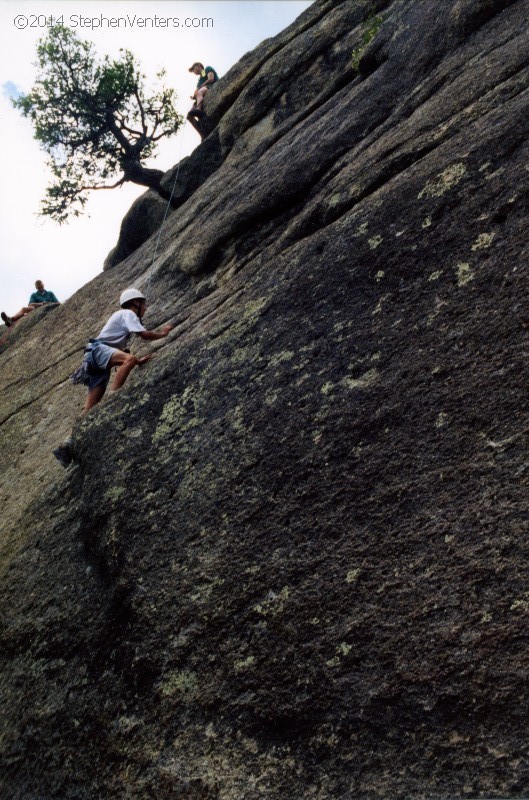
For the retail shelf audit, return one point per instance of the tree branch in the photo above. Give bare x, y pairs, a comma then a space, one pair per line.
142, 112
97, 188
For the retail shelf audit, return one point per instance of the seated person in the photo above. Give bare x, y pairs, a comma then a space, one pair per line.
36, 299
206, 78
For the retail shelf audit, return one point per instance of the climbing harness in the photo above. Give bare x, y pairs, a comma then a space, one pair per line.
82, 374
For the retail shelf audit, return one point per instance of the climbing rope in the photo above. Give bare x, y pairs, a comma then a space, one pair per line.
149, 277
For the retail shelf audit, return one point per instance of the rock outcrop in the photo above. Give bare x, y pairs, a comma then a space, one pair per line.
290, 557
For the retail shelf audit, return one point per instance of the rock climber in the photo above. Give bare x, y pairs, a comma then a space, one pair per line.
37, 298
109, 350
206, 78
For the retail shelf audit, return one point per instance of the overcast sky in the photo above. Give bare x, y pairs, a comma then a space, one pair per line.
65, 257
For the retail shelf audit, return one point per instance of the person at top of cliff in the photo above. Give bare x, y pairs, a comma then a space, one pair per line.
206, 78
36, 299
109, 350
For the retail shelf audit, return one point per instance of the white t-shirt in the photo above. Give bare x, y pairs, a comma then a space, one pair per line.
119, 327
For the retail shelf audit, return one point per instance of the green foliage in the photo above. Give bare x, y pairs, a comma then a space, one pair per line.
94, 118
369, 31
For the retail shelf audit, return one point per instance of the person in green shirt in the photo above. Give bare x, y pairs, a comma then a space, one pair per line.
36, 299
206, 78
42, 295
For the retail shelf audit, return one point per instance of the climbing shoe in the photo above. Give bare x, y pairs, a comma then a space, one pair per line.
8, 321
63, 454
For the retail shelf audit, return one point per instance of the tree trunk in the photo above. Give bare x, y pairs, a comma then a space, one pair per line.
135, 172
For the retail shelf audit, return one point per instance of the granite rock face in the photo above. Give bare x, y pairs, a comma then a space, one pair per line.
266, 93
291, 557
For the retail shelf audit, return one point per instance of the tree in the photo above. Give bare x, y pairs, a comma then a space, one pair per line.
95, 120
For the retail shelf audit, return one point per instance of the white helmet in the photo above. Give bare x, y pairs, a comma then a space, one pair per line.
130, 294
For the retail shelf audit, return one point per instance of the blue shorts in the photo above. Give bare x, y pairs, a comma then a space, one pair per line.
98, 355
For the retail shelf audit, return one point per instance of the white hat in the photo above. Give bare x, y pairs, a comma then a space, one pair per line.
130, 294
